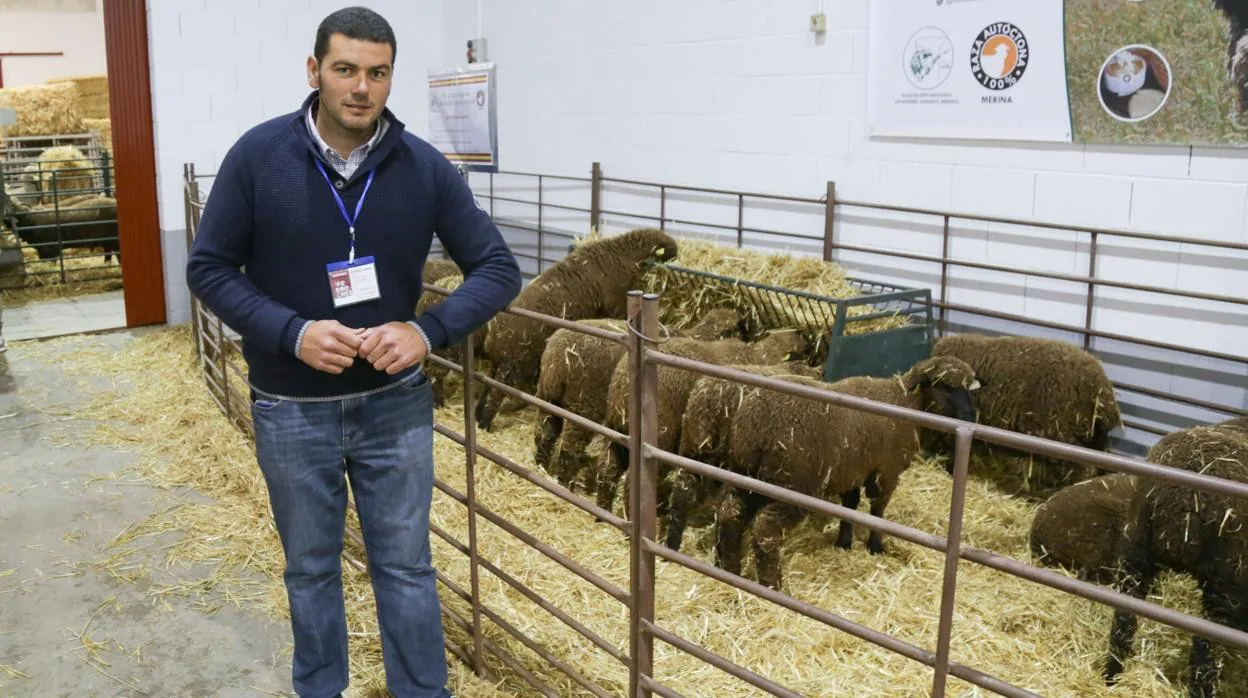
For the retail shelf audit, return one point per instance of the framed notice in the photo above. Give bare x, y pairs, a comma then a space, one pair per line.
463, 120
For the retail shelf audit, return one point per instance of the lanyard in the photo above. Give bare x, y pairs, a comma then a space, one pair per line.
342, 207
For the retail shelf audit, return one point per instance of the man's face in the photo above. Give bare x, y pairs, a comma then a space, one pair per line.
354, 81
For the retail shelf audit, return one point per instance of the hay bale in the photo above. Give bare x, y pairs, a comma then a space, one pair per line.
42, 110
1078, 528
92, 94
102, 128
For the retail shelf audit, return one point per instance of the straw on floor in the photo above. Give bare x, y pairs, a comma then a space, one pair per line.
1030, 635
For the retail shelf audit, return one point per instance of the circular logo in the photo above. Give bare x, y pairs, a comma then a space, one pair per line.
1134, 83
928, 58
999, 56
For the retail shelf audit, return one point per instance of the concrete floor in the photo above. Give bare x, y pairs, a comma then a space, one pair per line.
57, 516
100, 311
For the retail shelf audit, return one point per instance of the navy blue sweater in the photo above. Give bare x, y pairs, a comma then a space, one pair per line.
271, 213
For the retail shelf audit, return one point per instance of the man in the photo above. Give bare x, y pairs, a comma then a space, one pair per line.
331, 210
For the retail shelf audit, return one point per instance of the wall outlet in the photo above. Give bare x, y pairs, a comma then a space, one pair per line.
819, 23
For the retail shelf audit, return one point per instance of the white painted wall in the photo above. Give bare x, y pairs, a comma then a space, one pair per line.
738, 94
29, 27
222, 66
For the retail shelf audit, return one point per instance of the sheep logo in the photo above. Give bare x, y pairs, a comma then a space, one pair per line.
928, 58
999, 56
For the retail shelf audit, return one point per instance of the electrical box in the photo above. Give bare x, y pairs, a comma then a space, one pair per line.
819, 23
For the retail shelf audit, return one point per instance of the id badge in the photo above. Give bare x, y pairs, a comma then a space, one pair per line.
353, 282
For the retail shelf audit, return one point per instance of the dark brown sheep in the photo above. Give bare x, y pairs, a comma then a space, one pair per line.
576, 370
828, 451
673, 394
1186, 530
1078, 527
592, 281
1043, 387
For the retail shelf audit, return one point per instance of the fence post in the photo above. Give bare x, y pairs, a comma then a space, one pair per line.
188, 195
595, 196
1087, 318
953, 550
944, 276
470, 441
108, 177
829, 221
643, 323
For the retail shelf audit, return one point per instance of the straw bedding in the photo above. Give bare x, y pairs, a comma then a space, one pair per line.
86, 273
1044, 640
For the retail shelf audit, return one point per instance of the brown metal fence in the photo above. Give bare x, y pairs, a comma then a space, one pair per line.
227, 385
832, 211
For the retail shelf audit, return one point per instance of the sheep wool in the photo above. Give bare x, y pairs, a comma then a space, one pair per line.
64, 171
576, 369
826, 451
673, 395
1043, 387
592, 281
1185, 530
1078, 527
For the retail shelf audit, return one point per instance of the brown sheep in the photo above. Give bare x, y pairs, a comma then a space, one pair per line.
826, 451
705, 430
438, 376
673, 394
576, 368
1043, 387
1185, 530
1078, 527
592, 281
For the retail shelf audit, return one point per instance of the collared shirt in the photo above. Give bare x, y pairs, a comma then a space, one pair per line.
346, 167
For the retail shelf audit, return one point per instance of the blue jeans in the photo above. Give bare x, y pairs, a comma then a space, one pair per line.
384, 443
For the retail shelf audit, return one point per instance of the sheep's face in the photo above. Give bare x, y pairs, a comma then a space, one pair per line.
948, 387
652, 244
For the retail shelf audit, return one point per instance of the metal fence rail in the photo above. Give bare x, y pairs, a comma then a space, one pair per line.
640, 528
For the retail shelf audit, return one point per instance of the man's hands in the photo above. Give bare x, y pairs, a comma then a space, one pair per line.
332, 347
393, 347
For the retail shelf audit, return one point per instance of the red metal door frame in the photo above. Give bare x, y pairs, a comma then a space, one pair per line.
134, 159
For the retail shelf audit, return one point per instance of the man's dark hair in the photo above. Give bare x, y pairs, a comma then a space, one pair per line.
355, 23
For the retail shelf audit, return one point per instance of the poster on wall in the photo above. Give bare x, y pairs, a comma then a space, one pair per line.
462, 116
1162, 72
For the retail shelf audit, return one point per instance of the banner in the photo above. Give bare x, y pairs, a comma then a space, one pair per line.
462, 117
1084, 71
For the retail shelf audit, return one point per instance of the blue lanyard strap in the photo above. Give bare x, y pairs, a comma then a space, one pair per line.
342, 207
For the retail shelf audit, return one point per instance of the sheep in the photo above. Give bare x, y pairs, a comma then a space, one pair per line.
674, 386
592, 281
1236, 13
1043, 387
1185, 530
1078, 527
824, 450
91, 223
63, 171
437, 269
438, 375
705, 429
576, 368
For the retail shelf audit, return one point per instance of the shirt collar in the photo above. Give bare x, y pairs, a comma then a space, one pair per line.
382, 125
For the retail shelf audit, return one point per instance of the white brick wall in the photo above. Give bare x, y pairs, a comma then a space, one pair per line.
220, 67
740, 95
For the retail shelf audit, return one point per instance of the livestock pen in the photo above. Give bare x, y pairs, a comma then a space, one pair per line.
57, 208
514, 613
